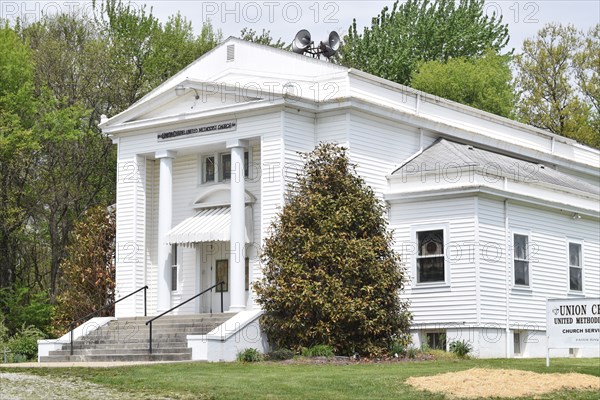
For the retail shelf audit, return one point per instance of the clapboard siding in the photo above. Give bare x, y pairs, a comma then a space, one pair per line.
130, 229
549, 232
333, 128
185, 190
457, 302
298, 137
378, 147
492, 261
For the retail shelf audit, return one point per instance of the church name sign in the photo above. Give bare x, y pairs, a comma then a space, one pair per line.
217, 127
572, 323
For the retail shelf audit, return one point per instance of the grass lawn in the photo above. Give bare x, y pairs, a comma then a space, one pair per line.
295, 381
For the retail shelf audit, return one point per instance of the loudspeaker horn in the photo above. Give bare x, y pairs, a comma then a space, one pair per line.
301, 42
331, 47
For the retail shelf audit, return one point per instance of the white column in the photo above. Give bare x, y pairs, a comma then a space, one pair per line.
237, 290
165, 217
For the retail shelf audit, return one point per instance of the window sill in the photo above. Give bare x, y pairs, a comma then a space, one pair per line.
522, 289
575, 293
432, 285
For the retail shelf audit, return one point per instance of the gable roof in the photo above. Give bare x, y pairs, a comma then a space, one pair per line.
445, 154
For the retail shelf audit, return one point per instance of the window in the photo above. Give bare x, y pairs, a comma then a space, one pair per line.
226, 166
430, 256
222, 275
575, 270
521, 259
436, 340
209, 169
174, 268
517, 343
218, 167
247, 274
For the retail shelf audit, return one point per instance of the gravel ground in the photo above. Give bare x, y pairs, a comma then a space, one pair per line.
32, 387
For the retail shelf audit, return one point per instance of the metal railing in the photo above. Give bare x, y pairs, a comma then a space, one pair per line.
73, 324
149, 322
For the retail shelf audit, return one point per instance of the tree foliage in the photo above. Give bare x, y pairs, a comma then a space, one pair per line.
89, 269
58, 75
265, 38
331, 276
484, 83
422, 30
558, 81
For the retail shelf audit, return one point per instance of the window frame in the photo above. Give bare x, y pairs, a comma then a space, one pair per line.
415, 230
247, 273
569, 266
528, 259
203, 169
175, 268
441, 339
219, 170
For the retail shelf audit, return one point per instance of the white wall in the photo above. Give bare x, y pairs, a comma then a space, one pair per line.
456, 302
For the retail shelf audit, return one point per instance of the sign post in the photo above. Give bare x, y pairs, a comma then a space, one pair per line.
572, 323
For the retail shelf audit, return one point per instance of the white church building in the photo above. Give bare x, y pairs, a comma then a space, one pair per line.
490, 216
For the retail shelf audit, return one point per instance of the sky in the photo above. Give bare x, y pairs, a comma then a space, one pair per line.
285, 18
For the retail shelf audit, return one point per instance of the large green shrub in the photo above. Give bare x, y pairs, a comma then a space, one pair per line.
26, 307
23, 345
330, 274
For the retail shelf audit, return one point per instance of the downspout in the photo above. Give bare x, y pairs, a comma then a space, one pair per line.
507, 283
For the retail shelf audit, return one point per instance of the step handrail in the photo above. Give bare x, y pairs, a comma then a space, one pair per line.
72, 324
180, 304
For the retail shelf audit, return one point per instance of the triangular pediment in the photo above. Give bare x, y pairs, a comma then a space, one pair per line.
193, 98
235, 68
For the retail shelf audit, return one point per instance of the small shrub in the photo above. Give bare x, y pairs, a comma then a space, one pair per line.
318, 350
425, 348
461, 348
249, 355
412, 352
397, 348
280, 354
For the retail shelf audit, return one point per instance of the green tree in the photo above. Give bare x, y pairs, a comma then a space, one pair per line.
18, 147
265, 38
547, 83
81, 68
421, 30
330, 274
89, 268
484, 83
587, 71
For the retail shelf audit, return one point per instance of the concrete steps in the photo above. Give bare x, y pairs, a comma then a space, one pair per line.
127, 339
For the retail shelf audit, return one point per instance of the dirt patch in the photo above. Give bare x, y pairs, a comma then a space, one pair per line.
480, 382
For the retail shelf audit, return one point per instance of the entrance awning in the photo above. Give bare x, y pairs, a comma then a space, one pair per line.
208, 225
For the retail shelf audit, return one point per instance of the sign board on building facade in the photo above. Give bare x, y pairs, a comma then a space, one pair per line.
572, 323
217, 127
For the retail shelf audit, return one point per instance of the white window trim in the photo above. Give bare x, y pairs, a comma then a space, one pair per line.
527, 233
217, 157
443, 226
580, 242
179, 270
